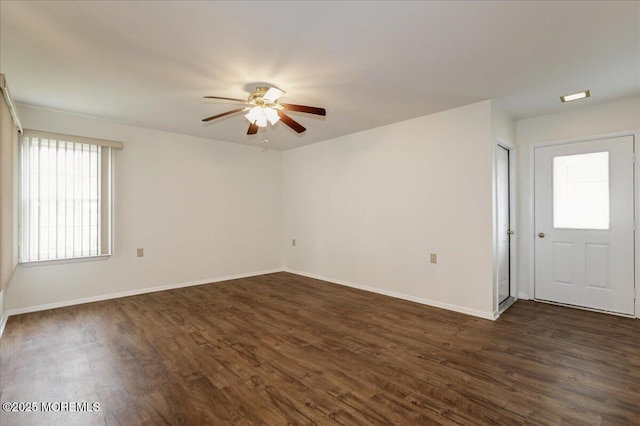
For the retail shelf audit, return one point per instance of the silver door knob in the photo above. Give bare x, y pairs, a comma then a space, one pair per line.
510, 232
541, 235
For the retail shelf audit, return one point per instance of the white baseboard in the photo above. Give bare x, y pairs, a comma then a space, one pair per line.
476, 313
428, 302
131, 293
523, 296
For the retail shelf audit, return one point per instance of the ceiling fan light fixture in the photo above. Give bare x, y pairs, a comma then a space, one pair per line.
262, 108
261, 121
272, 115
259, 116
253, 114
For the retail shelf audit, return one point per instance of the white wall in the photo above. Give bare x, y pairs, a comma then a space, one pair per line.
367, 209
580, 123
503, 126
201, 209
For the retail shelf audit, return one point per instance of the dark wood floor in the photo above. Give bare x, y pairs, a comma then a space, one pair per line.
283, 349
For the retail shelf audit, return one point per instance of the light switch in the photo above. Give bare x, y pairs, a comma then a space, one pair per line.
140, 252
434, 258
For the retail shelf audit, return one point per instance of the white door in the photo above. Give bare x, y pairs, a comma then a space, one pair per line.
504, 232
584, 224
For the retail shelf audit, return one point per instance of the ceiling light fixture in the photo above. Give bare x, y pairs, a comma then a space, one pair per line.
575, 96
265, 101
262, 107
259, 115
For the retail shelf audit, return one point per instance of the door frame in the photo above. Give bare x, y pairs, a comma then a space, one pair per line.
513, 184
636, 209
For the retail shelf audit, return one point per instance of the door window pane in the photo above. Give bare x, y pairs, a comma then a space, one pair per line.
581, 191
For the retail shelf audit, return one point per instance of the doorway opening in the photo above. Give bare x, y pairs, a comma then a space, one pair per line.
504, 228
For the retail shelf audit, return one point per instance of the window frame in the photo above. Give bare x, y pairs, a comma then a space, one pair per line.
106, 194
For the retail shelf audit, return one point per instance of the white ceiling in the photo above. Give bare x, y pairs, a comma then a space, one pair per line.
368, 63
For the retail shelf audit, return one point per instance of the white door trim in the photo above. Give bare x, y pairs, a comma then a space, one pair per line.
531, 224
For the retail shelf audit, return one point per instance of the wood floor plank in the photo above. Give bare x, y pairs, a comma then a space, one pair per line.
284, 349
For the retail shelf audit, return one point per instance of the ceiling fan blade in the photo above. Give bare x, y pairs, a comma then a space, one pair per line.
253, 129
273, 94
291, 122
223, 114
226, 99
303, 108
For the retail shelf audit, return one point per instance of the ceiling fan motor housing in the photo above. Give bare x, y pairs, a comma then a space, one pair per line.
257, 98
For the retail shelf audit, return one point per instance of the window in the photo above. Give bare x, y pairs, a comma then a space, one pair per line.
65, 201
581, 191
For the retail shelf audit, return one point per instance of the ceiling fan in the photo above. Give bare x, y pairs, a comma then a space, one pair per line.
263, 106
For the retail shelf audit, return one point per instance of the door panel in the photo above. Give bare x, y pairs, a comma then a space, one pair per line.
598, 262
563, 262
584, 224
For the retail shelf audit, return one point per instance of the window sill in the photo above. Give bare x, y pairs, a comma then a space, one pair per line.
31, 263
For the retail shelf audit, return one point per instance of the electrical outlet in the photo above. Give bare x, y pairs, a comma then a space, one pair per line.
140, 252
293, 242
434, 258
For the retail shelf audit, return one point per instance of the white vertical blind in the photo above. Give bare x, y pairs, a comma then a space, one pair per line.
61, 201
